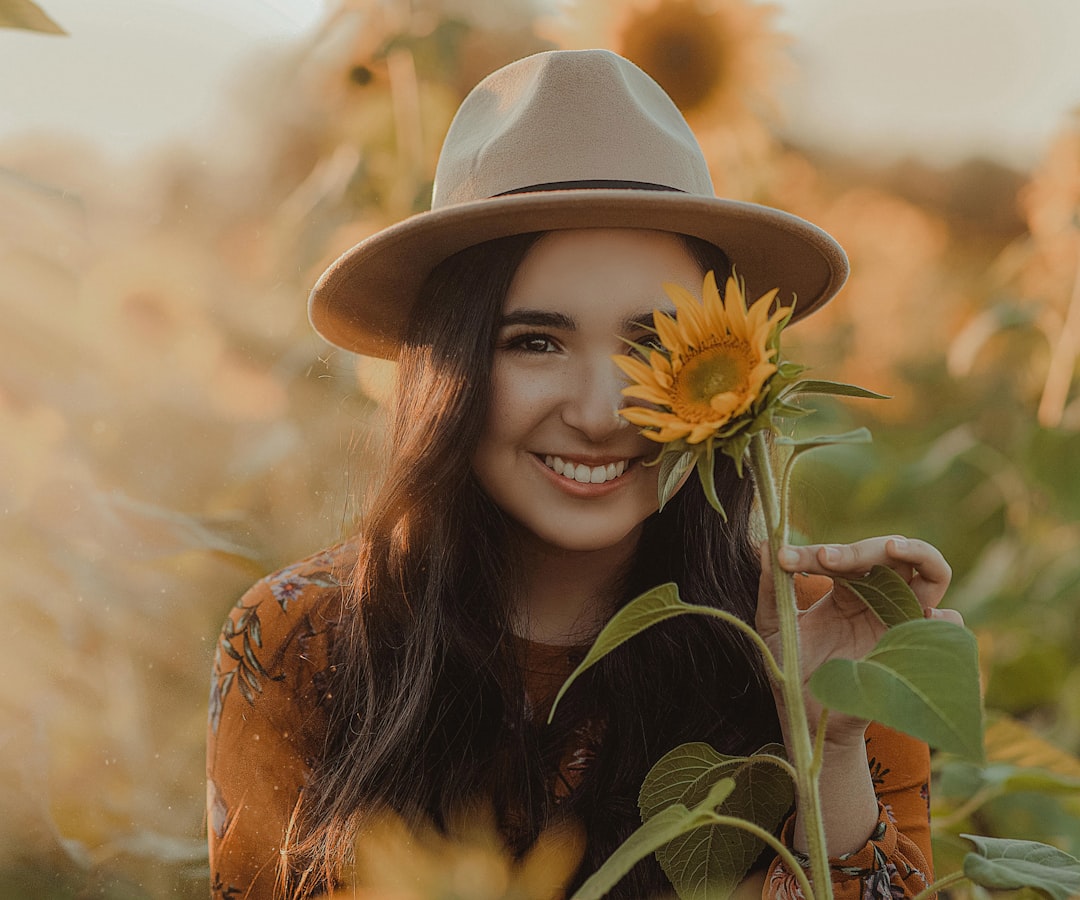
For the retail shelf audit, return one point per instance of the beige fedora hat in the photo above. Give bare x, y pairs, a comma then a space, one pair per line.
565, 139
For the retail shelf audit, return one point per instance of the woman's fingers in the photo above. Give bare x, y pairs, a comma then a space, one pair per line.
919, 563
945, 615
931, 573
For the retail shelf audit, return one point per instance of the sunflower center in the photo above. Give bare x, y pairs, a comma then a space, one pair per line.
720, 368
682, 48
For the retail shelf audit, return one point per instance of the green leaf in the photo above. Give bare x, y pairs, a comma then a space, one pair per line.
834, 388
887, 594
653, 606
922, 678
708, 485
1009, 778
673, 466
782, 410
712, 860
735, 447
963, 784
28, 16
801, 445
1005, 864
658, 831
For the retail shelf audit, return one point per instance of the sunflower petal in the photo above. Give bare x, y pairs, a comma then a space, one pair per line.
701, 432
646, 417
715, 314
688, 314
648, 394
668, 332
726, 403
758, 317
735, 309
636, 369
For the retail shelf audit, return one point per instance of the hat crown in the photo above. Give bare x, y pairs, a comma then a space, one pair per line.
567, 116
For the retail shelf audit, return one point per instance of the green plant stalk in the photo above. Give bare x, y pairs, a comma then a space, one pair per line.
807, 789
940, 885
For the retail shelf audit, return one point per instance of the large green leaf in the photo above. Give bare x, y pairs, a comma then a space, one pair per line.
653, 606
658, 831
711, 860
922, 678
835, 388
28, 16
887, 594
1006, 864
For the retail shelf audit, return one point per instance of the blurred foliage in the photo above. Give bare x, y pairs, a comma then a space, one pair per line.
171, 429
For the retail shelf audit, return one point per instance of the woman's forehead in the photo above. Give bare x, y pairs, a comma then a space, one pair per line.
622, 269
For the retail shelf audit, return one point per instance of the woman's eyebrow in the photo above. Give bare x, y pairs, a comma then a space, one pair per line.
539, 318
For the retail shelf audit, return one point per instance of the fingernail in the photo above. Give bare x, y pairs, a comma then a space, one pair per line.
899, 545
832, 555
787, 556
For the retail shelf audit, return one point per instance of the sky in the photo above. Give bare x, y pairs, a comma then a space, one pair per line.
935, 79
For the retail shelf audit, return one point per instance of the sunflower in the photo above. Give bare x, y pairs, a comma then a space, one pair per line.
717, 59
712, 375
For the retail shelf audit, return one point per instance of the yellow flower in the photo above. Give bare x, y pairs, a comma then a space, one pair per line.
719, 60
717, 361
722, 62
398, 861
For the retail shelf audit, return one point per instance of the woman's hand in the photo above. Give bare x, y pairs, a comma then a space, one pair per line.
840, 625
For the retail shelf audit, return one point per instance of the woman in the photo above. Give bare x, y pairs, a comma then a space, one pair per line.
411, 668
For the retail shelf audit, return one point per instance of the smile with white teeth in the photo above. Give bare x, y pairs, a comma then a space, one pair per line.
586, 474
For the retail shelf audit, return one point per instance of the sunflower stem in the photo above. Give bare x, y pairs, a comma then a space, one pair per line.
807, 789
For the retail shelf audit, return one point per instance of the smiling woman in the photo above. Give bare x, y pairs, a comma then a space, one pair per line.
409, 670
575, 300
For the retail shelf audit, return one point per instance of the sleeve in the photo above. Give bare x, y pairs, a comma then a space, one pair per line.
894, 862
263, 709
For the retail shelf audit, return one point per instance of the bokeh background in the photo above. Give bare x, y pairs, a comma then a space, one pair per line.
173, 176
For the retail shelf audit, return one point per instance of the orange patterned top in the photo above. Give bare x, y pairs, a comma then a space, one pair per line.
267, 722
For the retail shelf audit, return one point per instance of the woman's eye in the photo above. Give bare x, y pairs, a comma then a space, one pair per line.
531, 343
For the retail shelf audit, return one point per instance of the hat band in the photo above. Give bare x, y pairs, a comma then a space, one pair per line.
595, 184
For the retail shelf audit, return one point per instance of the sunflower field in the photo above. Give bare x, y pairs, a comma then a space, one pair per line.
171, 429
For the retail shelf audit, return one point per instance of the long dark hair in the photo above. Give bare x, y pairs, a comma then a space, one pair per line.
427, 710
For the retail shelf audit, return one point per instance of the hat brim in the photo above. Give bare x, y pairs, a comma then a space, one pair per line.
362, 301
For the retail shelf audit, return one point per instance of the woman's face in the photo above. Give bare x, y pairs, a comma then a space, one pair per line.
554, 454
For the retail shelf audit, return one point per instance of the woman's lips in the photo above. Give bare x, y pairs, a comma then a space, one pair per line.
583, 473
581, 478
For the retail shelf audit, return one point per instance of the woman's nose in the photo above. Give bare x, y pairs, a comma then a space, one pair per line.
593, 400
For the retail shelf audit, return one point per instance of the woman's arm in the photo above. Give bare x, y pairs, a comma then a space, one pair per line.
265, 719
895, 859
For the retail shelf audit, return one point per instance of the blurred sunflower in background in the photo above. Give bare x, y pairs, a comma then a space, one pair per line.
470, 861
720, 61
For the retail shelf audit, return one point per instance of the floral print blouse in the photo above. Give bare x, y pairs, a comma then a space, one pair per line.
267, 721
